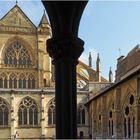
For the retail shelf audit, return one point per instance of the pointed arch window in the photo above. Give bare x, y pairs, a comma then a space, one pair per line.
109, 128
81, 115
51, 113
5, 82
1, 83
13, 81
10, 83
17, 55
28, 113
133, 126
4, 113
129, 120
125, 130
22, 81
31, 81
112, 128
129, 127
111, 121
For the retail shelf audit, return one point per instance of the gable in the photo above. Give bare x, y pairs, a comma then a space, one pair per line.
16, 18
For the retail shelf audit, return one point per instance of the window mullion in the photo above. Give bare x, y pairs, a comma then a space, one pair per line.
3, 117
12, 83
80, 116
2, 82
51, 116
33, 117
22, 123
28, 116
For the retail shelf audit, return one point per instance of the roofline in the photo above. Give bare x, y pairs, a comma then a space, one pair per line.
21, 11
113, 86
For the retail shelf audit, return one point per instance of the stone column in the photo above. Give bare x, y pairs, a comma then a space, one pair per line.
94, 119
65, 48
42, 119
12, 121
117, 112
137, 110
65, 54
104, 118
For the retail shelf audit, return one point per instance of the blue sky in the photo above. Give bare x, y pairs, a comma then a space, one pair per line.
106, 27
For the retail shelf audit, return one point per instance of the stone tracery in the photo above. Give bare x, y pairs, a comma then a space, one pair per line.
17, 55
28, 112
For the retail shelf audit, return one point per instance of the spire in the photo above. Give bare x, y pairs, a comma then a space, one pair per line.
16, 2
90, 59
44, 19
110, 75
98, 65
98, 69
98, 58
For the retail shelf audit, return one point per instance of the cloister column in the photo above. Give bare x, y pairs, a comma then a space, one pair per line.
65, 48
104, 117
118, 120
137, 110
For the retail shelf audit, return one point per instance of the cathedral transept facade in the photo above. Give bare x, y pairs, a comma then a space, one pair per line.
27, 89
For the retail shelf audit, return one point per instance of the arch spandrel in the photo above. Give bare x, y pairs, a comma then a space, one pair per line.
6, 102
52, 100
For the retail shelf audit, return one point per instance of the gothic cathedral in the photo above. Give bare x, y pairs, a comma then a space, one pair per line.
27, 94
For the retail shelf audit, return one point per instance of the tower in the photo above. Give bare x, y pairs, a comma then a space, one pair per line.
110, 75
44, 61
98, 69
90, 59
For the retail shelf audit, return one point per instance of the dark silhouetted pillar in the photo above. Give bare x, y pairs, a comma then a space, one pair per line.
65, 48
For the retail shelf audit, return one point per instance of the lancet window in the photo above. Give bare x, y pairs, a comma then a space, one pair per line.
111, 121
81, 114
31, 81
51, 113
129, 119
17, 81
3, 80
4, 113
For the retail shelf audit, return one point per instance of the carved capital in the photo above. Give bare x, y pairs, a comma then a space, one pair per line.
68, 48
